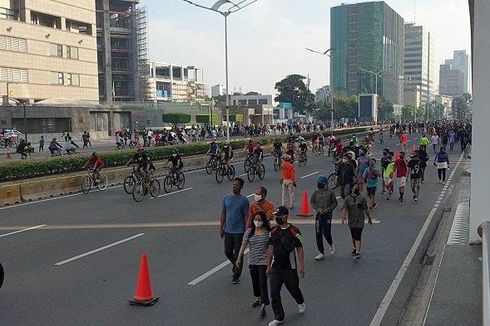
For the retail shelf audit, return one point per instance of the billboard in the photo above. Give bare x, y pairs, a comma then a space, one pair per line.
368, 107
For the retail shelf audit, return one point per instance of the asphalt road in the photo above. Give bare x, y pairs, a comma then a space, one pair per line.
179, 232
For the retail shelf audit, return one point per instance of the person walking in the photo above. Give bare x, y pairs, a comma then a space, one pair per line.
257, 239
345, 176
434, 142
234, 211
362, 165
41, 144
441, 161
424, 141
401, 172
388, 175
452, 139
84, 139
288, 180
384, 165
415, 174
371, 175
323, 201
285, 261
404, 140
260, 204
353, 211
424, 158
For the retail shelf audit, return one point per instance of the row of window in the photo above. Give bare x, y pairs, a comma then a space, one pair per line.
57, 51
15, 75
10, 43
46, 20
65, 78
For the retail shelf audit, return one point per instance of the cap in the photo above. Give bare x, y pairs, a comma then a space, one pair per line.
281, 211
321, 179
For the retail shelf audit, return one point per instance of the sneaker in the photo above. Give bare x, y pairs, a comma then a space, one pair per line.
354, 252
276, 322
332, 249
320, 256
257, 303
301, 308
357, 256
235, 280
415, 199
262, 312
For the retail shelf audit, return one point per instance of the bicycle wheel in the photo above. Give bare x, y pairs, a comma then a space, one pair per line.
261, 171
86, 184
2, 274
251, 174
167, 183
231, 172
332, 181
181, 181
103, 181
138, 192
154, 188
246, 164
129, 184
220, 174
209, 167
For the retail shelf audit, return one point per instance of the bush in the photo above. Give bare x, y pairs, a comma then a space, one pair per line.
65, 164
176, 118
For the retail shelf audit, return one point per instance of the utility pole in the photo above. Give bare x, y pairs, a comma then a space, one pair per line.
428, 80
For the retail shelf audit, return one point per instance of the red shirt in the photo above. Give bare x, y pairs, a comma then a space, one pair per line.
96, 162
250, 148
401, 168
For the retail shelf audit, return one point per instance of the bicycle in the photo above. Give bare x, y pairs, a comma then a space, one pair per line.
130, 181
303, 159
332, 183
225, 169
212, 164
2, 274
89, 182
277, 161
321, 148
174, 178
248, 162
146, 185
256, 168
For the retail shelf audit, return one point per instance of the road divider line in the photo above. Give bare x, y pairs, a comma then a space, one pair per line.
98, 249
23, 230
211, 272
390, 294
309, 175
175, 192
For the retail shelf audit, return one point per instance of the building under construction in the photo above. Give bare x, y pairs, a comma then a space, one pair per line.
122, 50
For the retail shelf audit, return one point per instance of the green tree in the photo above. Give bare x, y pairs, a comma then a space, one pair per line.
385, 110
292, 89
176, 118
460, 105
409, 112
252, 93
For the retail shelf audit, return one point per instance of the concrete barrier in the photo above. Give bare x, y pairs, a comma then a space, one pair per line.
10, 194
31, 191
71, 184
52, 187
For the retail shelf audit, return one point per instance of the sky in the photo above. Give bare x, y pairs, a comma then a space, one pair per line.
268, 40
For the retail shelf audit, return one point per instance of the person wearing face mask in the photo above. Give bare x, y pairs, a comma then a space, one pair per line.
260, 204
285, 261
257, 239
345, 176
177, 164
371, 175
323, 201
288, 180
353, 211
234, 209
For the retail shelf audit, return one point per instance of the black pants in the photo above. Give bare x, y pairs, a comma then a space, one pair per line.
423, 147
422, 172
288, 277
441, 173
345, 190
233, 242
259, 282
323, 227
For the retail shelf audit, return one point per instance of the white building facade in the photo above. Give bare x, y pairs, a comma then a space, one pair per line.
246, 100
218, 90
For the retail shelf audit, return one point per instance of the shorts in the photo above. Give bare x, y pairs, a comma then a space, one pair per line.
415, 183
400, 181
356, 233
371, 191
388, 181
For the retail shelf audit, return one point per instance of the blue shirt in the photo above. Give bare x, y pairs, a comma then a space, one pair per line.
235, 209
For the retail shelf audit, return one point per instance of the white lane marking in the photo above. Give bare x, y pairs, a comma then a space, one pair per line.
243, 174
309, 175
23, 230
98, 249
383, 306
175, 192
212, 271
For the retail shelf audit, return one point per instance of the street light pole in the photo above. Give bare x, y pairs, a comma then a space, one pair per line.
226, 81
25, 120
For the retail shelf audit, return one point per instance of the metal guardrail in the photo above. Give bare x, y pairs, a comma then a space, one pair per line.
484, 232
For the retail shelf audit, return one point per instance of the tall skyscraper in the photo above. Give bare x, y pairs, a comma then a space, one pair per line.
451, 80
368, 41
418, 63
460, 59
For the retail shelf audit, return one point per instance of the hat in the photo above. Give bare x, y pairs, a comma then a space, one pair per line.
321, 179
286, 157
281, 211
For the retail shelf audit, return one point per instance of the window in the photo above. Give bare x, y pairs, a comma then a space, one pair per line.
13, 75
57, 78
72, 79
72, 52
263, 101
57, 50
13, 44
41, 19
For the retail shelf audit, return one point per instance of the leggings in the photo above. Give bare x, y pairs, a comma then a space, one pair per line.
442, 174
323, 227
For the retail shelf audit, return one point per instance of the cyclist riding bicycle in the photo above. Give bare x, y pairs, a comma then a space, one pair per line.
250, 147
177, 164
213, 150
258, 153
95, 164
226, 154
142, 160
321, 140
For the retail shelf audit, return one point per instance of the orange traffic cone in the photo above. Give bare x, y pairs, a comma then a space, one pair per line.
397, 155
305, 206
144, 294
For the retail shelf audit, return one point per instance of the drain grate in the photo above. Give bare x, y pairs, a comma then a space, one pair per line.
459, 234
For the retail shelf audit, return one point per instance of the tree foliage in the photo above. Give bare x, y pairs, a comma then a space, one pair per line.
292, 89
460, 105
176, 118
386, 111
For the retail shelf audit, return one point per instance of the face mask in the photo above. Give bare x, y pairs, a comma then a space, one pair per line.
357, 191
174, 155
258, 224
257, 197
279, 220
344, 160
321, 185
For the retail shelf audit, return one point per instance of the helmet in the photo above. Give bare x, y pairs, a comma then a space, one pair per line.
321, 179
94, 153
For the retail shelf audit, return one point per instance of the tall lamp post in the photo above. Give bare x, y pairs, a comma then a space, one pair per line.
331, 88
225, 13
